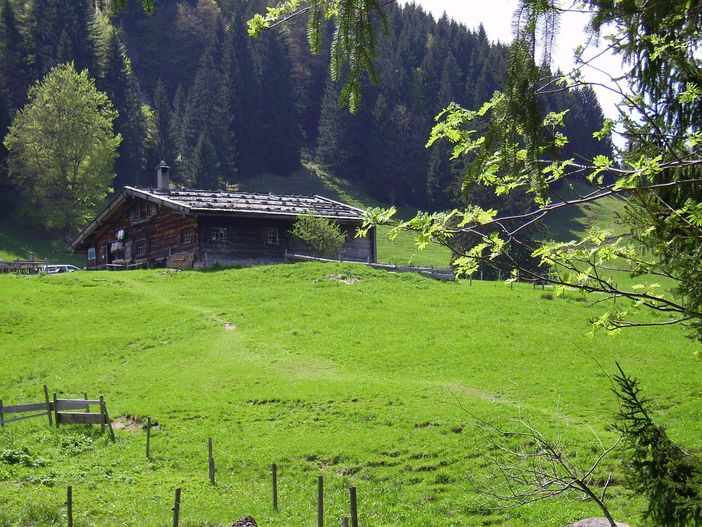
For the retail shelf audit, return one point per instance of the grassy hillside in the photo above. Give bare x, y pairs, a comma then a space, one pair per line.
17, 242
366, 377
571, 223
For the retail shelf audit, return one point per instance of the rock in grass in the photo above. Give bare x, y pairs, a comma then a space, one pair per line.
595, 522
246, 521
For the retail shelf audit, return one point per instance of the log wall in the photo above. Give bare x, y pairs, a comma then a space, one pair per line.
157, 229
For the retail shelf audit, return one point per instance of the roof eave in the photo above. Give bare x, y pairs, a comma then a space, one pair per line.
276, 215
116, 202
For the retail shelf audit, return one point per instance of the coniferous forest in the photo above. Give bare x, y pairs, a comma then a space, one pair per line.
193, 89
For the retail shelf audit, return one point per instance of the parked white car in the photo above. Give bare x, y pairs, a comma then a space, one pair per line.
59, 268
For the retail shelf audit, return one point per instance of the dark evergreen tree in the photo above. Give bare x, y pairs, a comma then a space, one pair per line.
163, 148
278, 132
243, 92
207, 112
5, 121
205, 165
59, 32
118, 81
13, 67
175, 129
342, 137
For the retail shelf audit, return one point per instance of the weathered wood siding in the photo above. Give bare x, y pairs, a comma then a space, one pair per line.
158, 230
227, 241
241, 241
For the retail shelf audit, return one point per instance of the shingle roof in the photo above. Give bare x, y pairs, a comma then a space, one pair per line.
228, 203
245, 203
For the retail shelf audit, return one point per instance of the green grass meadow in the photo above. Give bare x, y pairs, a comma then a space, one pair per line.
19, 243
369, 378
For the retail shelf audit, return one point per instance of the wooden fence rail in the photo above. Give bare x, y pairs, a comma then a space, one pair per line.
60, 411
20, 409
429, 272
42, 409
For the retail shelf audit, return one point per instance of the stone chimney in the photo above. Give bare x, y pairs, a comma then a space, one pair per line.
162, 180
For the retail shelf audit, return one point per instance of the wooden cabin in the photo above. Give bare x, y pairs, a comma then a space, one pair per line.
203, 228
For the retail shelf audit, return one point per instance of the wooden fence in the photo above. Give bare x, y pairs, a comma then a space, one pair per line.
31, 266
430, 272
61, 411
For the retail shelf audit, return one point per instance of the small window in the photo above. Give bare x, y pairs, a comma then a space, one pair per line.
272, 236
219, 234
139, 248
186, 236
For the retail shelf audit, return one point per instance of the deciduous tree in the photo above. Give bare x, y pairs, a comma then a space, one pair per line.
62, 148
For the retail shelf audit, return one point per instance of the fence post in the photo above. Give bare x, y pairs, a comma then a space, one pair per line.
274, 474
56, 410
210, 461
104, 414
148, 438
106, 418
353, 506
320, 501
2, 415
87, 406
69, 505
176, 508
48, 405
344, 521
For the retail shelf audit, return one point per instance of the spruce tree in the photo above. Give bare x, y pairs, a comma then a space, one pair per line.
205, 165
243, 92
5, 120
278, 131
13, 68
163, 148
338, 146
118, 81
175, 130
207, 112
60, 32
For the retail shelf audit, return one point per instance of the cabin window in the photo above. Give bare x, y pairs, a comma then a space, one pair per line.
140, 248
186, 236
272, 236
219, 234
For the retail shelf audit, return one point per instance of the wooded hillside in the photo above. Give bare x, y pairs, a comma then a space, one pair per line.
193, 89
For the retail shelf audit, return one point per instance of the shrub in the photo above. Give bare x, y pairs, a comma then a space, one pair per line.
323, 236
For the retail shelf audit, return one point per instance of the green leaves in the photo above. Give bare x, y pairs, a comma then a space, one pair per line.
62, 144
323, 236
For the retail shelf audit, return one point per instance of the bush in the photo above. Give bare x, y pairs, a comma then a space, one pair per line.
323, 236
